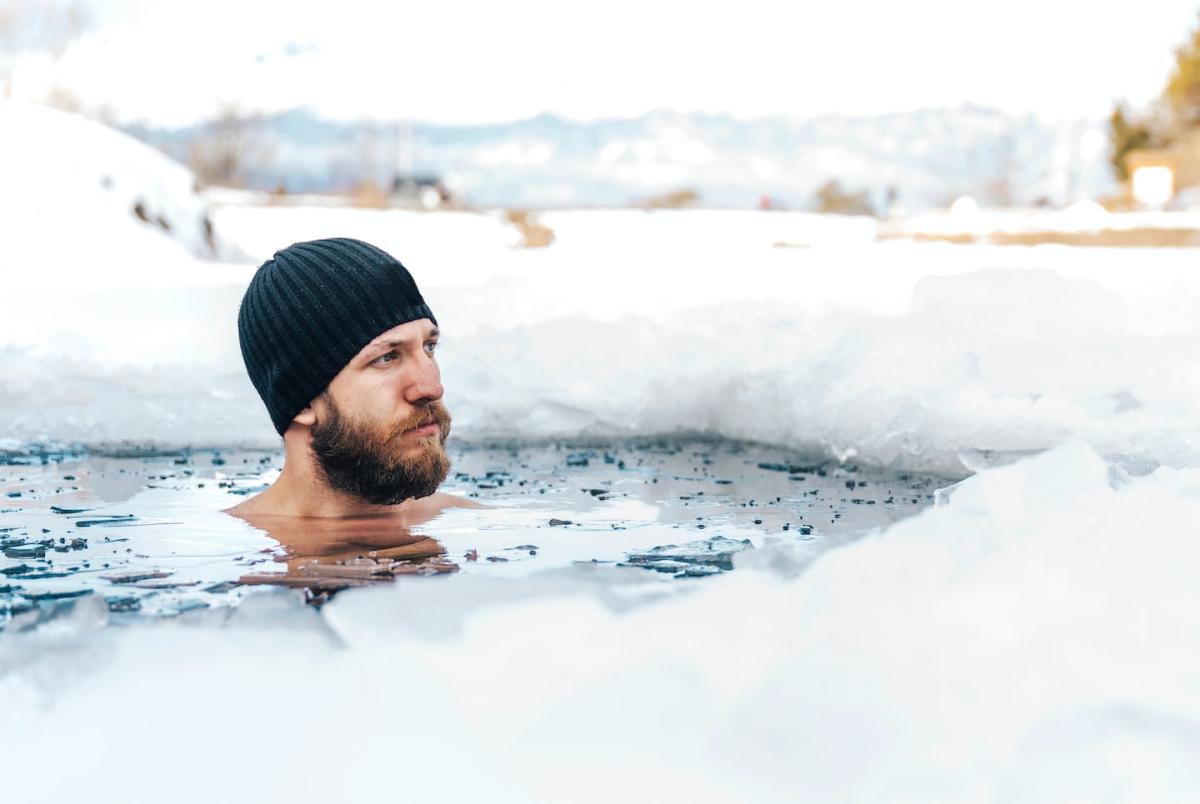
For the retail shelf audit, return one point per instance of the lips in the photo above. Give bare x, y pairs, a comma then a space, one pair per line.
427, 424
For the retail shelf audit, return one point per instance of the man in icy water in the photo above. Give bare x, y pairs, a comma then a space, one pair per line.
341, 346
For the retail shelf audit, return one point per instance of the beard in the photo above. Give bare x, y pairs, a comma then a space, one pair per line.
381, 464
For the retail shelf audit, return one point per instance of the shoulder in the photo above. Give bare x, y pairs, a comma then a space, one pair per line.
242, 509
263, 503
441, 500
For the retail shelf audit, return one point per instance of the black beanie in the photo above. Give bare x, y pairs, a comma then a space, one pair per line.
310, 309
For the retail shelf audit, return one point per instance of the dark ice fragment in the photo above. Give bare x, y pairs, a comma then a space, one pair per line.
122, 604
60, 594
698, 571
115, 519
58, 509
25, 551
135, 575
717, 551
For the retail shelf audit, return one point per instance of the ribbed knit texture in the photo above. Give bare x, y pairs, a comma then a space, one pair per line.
310, 309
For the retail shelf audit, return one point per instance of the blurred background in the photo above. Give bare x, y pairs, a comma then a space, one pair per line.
936, 217
866, 108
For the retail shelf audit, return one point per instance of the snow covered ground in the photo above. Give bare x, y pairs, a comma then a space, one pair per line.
632, 322
966, 219
1033, 638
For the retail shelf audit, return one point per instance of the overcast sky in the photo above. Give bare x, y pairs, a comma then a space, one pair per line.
175, 62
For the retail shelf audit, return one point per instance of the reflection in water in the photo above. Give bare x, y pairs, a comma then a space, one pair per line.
70, 531
326, 554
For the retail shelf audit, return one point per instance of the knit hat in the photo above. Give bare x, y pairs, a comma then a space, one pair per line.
310, 309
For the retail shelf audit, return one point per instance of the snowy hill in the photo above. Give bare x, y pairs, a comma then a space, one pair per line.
929, 157
75, 188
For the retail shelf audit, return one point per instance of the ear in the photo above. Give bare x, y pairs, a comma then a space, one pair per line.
306, 416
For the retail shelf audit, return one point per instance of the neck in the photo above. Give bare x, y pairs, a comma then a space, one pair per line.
302, 491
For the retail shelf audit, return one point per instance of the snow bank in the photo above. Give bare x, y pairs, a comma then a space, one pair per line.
899, 353
631, 322
965, 218
84, 191
1004, 646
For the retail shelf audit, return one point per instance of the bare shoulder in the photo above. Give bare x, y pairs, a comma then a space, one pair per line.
442, 500
243, 509
260, 504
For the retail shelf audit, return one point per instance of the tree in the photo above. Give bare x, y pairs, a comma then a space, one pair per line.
39, 26
1183, 88
227, 146
1126, 134
676, 199
832, 199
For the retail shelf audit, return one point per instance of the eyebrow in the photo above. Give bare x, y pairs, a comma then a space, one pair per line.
375, 346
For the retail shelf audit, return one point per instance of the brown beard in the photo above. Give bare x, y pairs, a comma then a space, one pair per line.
363, 461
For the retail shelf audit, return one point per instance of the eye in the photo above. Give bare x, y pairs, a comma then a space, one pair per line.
430, 346
384, 359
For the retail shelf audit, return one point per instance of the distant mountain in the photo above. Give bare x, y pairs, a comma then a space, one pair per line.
916, 159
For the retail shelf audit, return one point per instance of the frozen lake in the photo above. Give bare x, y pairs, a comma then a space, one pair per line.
146, 534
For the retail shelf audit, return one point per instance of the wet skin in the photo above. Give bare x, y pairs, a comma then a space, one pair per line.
391, 388
335, 539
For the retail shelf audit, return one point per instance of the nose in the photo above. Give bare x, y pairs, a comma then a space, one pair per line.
426, 382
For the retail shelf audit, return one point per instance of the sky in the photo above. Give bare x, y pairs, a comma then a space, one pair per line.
470, 62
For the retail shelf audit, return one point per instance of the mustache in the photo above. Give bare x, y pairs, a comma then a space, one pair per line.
434, 410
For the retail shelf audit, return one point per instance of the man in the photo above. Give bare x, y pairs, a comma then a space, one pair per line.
341, 346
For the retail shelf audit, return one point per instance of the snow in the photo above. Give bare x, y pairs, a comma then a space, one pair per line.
63, 172
966, 217
635, 322
1035, 637
789, 328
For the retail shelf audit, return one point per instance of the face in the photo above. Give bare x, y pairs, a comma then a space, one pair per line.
379, 428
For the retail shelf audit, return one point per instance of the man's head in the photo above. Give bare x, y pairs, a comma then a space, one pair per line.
340, 345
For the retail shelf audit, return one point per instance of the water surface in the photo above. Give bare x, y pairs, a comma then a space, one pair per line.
147, 533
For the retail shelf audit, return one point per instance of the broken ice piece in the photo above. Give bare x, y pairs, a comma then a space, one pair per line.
284, 579
124, 603
157, 583
717, 552
25, 551
355, 570
134, 575
115, 519
434, 567
61, 594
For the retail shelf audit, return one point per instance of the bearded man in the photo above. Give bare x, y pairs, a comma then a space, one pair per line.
340, 345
